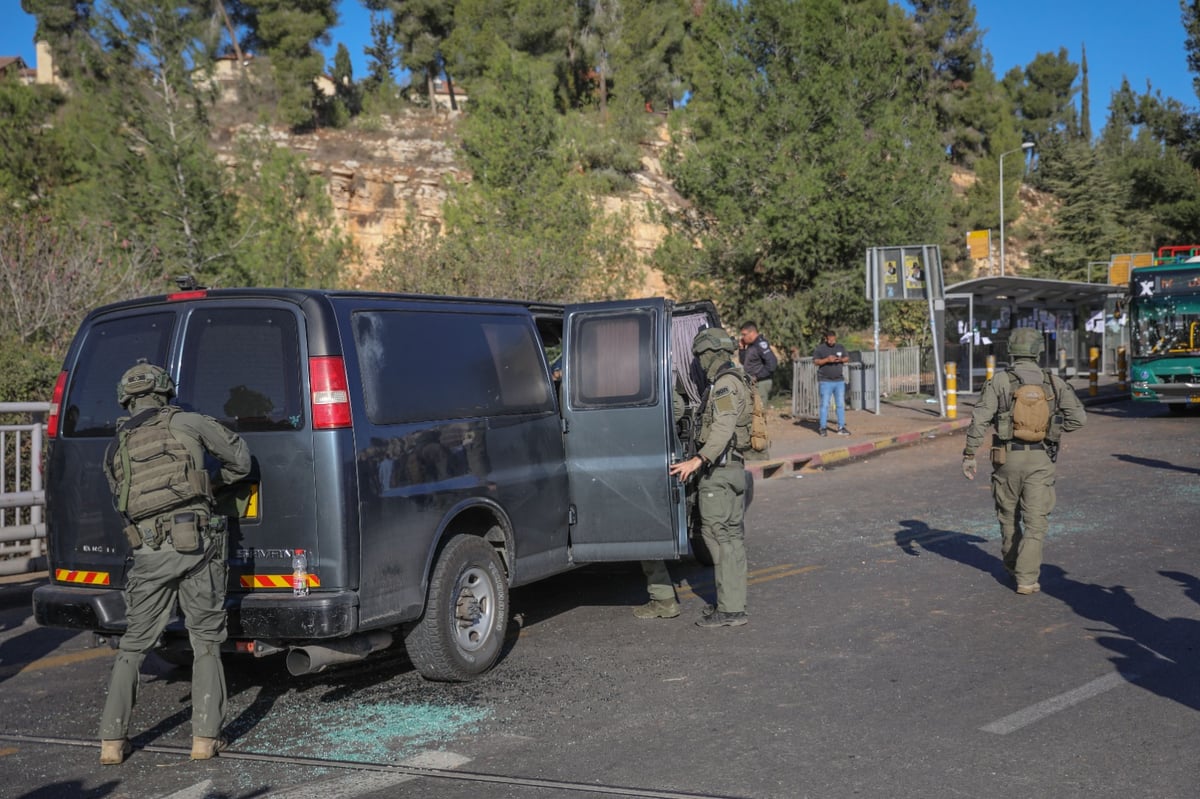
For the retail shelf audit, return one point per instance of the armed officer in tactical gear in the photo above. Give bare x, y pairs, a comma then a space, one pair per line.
1024, 452
723, 438
156, 470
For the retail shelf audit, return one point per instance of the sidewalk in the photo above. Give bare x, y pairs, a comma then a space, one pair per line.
795, 445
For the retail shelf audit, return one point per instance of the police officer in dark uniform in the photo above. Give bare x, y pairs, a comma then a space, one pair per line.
757, 359
156, 471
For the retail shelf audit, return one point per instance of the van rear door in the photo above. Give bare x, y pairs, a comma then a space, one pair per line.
242, 363
619, 432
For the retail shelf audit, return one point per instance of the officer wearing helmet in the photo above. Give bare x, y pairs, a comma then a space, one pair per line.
156, 470
1030, 410
723, 437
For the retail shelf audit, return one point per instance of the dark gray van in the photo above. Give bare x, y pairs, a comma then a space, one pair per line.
421, 449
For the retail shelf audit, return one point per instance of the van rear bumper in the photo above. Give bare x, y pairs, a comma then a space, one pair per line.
287, 617
98, 609
274, 616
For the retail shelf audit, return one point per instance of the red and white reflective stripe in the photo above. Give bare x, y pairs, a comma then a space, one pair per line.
330, 392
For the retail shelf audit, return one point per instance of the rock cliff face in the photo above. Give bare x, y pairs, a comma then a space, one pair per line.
380, 181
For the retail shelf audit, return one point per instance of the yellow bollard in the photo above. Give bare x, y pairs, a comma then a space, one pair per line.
1122, 370
951, 390
1093, 371
991, 367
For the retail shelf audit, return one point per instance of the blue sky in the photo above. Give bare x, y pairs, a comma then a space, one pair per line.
1141, 41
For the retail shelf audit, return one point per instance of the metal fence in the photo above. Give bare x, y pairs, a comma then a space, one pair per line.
899, 372
22, 500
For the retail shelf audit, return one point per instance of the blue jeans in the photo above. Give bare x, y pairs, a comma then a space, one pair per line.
837, 390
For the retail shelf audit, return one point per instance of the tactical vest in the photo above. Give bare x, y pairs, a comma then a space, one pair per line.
153, 469
741, 440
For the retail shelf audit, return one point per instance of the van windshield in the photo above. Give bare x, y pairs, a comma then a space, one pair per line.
109, 349
241, 366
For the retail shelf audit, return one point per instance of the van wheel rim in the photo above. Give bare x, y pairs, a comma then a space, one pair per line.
475, 609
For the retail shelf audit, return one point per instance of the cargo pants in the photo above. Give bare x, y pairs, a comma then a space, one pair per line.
156, 580
1023, 489
721, 495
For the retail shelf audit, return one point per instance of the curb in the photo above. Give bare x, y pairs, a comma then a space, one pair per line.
780, 467
791, 464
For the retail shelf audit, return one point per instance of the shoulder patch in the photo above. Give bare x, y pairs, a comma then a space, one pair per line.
723, 402
763, 343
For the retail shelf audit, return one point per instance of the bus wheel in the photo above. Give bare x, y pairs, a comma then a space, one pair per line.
460, 634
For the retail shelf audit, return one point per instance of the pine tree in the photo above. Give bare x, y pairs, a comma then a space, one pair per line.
806, 140
954, 54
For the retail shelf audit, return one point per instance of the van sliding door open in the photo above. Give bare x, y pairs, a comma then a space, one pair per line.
617, 413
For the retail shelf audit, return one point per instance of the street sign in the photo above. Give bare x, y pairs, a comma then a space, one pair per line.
904, 273
979, 243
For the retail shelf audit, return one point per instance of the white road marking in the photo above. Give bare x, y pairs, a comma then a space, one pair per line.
436, 759
197, 791
1034, 713
347, 786
353, 785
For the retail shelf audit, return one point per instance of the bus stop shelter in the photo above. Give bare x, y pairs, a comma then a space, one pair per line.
1073, 317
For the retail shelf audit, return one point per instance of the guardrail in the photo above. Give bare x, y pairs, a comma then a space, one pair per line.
22, 499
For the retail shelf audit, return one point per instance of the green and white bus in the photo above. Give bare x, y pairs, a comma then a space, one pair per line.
1164, 315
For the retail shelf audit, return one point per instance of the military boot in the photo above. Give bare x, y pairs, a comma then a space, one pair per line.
657, 609
720, 618
113, 753
206, 748
1025, 590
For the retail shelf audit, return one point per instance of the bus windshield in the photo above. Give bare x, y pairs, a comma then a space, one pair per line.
1165, 325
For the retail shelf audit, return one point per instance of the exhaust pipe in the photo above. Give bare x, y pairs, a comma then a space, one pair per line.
318, 657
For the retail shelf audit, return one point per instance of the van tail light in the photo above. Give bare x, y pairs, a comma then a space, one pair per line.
60, 386
192, 294
330, 395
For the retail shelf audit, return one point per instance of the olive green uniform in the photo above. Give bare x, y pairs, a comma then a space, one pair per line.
1023, 487
658, 580
160, 575
724, 435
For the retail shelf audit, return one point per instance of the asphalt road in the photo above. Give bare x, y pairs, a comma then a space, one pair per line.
887, 656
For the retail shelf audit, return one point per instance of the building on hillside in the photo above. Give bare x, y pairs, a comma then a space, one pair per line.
227, 76
47, 73
13, 67
441, 95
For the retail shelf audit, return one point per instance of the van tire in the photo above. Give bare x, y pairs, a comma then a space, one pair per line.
468, 578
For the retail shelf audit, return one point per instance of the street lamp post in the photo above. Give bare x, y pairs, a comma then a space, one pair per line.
1026, 146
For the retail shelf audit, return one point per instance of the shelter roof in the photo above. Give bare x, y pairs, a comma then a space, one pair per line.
1031, 292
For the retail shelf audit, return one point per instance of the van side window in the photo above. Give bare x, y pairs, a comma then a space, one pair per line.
110, 348
421, 365
241, 366
612, 361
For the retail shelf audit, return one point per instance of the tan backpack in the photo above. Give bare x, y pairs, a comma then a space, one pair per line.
759, 440
1031, 410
